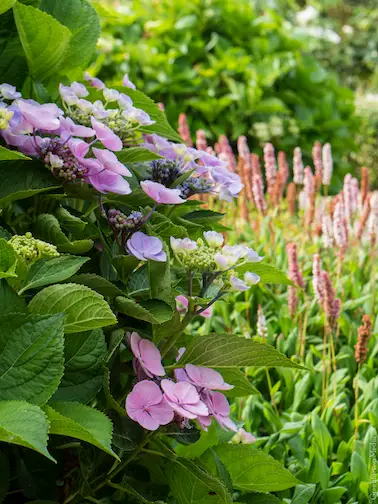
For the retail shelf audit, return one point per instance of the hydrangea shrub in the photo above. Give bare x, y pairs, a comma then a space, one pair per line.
105, 259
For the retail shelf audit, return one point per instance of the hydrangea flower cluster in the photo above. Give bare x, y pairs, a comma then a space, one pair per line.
216, 260
30, 249
192, 395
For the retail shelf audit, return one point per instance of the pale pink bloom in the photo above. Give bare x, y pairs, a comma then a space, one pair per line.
67, 124
258, 193
146, 247
94, 81
340, 230
182, 245
298, 168
161, 194
127, 82
327, 231
110, 162
218, 407
238, 284
146, 405
251, 278
44, 117
148, 356
261, 327
327, 164
204, 377
106, 136
105, 181
201, 143
184, 399
184, 131
245, 437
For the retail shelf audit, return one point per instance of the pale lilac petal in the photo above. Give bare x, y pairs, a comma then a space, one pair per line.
127, 82
220, 404
204, 421
160, 256
79, 89
68, 125
78, 147
109, 160
226, 423
186, 393
151, 358
180, 375
106, 136
162, 412
168, 387
146, 247
181, 409
134, 344
38, 117
238, 284
106, 182
206, 378
198, 409
160, 193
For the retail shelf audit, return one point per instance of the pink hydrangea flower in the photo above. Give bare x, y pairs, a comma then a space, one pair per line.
44, 117
106, 136
219, 408
110, 162
105, 181
67, 124
184, 399
161, 194
204, 378
147, 355
94, 81
146, 247
146, 405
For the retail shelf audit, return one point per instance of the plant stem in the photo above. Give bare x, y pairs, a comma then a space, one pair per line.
356, 390
171, 342
270, 391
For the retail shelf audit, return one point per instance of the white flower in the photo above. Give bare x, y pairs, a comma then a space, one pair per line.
85, 105
182, 245
253, 256
55, 161
238, 284
251, 278
221, 261
213, 238
110, 95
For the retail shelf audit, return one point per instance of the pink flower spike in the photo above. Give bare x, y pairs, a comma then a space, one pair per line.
110, 162
106, 136
184, 399
203, 377
106, 181
146, 405
147, 354
161, 194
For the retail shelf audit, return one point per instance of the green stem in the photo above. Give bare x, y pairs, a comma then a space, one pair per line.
171, 342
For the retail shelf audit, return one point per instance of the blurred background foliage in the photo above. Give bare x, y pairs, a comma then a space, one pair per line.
284, 71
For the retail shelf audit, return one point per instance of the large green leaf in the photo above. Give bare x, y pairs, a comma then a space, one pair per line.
83, 22
10, 155
228, 351
25, 425
84, 356
47, 228
5, 5
136, 155
242, 386
8, 260
97, 283
84, 308
20, 181
160, 280
192, 485
161, 126
31, 356
303, 494
251, 469
44, 39
259, 498
125, 265
49, 271
81, 422
152, 311
266, 272
10, 301
207, 439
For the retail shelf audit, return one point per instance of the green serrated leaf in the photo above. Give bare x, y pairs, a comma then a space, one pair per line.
5, 5
191, 485
47, 228
49, 271
137, 155
80, 422
83, 22
242, 386
125, 265
229, 351
207, 439
253, 470
303, 494
160, 279
31, 356
266, 272
18, 183
152, 311
259, 498
24, 424
84, 357
84, 308
44, 39
8, 260
10, 155
10, 301
97, 283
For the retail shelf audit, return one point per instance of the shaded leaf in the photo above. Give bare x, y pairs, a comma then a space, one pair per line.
152, 311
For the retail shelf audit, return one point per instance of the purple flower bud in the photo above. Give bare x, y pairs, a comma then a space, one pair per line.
146, 247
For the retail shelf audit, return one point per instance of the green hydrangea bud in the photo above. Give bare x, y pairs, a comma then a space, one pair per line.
5, 116
32, 249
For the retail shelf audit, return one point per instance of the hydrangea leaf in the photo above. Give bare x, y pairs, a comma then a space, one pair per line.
230, 351
97, 283
266, 272
18, 183
45, 41
5, 5
10, 155
49, 271
153, 311
25, 425
251, 469
242, 386
8, 260
84, 357
10, 301
84, 308
137, 155
81, 422
83, 22
31, 356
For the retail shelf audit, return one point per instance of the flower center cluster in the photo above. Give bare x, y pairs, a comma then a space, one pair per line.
59, 158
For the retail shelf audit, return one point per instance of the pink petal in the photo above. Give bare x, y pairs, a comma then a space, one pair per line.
146, 393
169, 388
160, 193
206, 377
199, 408
39, 117
110, 182
79, 148
204, 421
226, 422
208, 312
147, 421
186, 393
162, 412
182, 304
106, 136
220, 404
134, 343
110, 161
181, 409
151, 358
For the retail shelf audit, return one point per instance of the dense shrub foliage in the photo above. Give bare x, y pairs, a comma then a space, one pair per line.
233, 68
